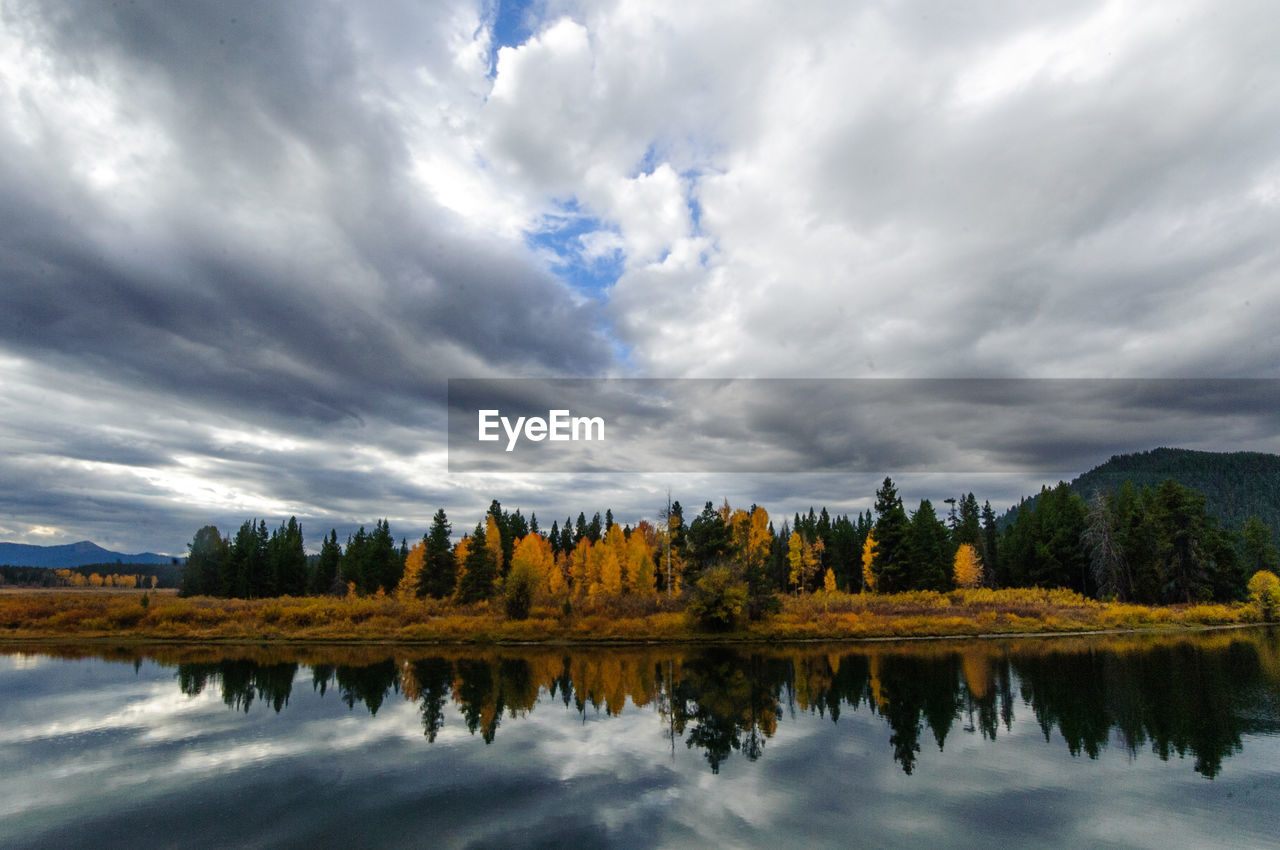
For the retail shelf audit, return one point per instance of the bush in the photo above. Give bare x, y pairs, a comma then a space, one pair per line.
518, 590
1264, 591
717, 599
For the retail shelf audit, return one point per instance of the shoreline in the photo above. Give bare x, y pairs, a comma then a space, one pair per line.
107, 618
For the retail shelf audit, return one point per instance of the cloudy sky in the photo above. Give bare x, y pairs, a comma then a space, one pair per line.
243, 246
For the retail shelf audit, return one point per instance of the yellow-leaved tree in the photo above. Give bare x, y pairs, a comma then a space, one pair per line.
460, 552
615, 540
1264, 591
533, 554
804, 558
408, 586
610, 572
493, 542
749, 532
639, 561
868, 555
829, 581
966, 570
558, 581
580, 568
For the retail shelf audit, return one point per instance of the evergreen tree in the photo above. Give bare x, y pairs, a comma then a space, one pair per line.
844, 553
1043, 546
1180, 514
968, 528
1257, 552
890, 563
707, 540
355, 566
989, 546
287, 558
439, 570
384, 566
554, 538
246, 562
477, 581
929, 550
206, 564
326, 574
566, 537
517, 527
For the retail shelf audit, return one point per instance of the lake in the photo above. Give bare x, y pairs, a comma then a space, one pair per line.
1147, 741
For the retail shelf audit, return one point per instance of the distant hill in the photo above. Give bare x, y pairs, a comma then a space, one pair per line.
71, 555
1236, 485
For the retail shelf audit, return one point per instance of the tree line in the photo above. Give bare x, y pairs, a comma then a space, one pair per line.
1151, 545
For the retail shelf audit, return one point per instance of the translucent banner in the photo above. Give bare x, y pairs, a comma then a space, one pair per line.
855, 425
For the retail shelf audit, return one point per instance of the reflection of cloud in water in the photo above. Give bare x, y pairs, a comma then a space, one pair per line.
90, 748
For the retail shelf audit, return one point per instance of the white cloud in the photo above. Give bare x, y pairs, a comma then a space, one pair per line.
297, 230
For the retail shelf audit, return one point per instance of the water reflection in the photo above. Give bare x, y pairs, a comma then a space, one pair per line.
1186, 696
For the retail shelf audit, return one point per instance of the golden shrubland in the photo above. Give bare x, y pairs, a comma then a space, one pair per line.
825, 615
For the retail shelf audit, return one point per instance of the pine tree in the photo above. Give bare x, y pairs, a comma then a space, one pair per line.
929, 550
1257, 550
206, 564
477, 582
326, 574
990, 545
384, 567
439, 570
355, 560
890, 561
289, 559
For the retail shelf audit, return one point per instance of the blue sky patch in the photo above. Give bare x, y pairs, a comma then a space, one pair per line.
561, 239
512, 21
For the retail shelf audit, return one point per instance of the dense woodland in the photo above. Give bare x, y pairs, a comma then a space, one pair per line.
1155, 545
1235, 485
94, 575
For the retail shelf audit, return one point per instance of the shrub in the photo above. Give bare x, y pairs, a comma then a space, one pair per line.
1264, 591
518, 591
717, 599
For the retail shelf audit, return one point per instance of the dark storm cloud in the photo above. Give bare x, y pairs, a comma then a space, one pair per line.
218, 313
903, 425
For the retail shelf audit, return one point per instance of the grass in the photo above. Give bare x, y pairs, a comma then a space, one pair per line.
105, 614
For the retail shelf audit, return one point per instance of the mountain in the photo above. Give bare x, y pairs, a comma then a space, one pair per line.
71, 555
1236, 485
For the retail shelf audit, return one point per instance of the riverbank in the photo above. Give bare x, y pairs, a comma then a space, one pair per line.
134, 616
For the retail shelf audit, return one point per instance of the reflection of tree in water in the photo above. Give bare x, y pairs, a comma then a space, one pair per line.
727, 702
1182, 699
912, 691
241, 680
433, 677
1196, 696
367, 683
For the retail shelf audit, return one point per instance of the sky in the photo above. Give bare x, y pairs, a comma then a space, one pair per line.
244, 246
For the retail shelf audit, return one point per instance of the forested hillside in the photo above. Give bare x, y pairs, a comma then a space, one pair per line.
1236, 485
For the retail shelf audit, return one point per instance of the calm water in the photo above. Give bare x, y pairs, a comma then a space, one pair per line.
1164, 742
